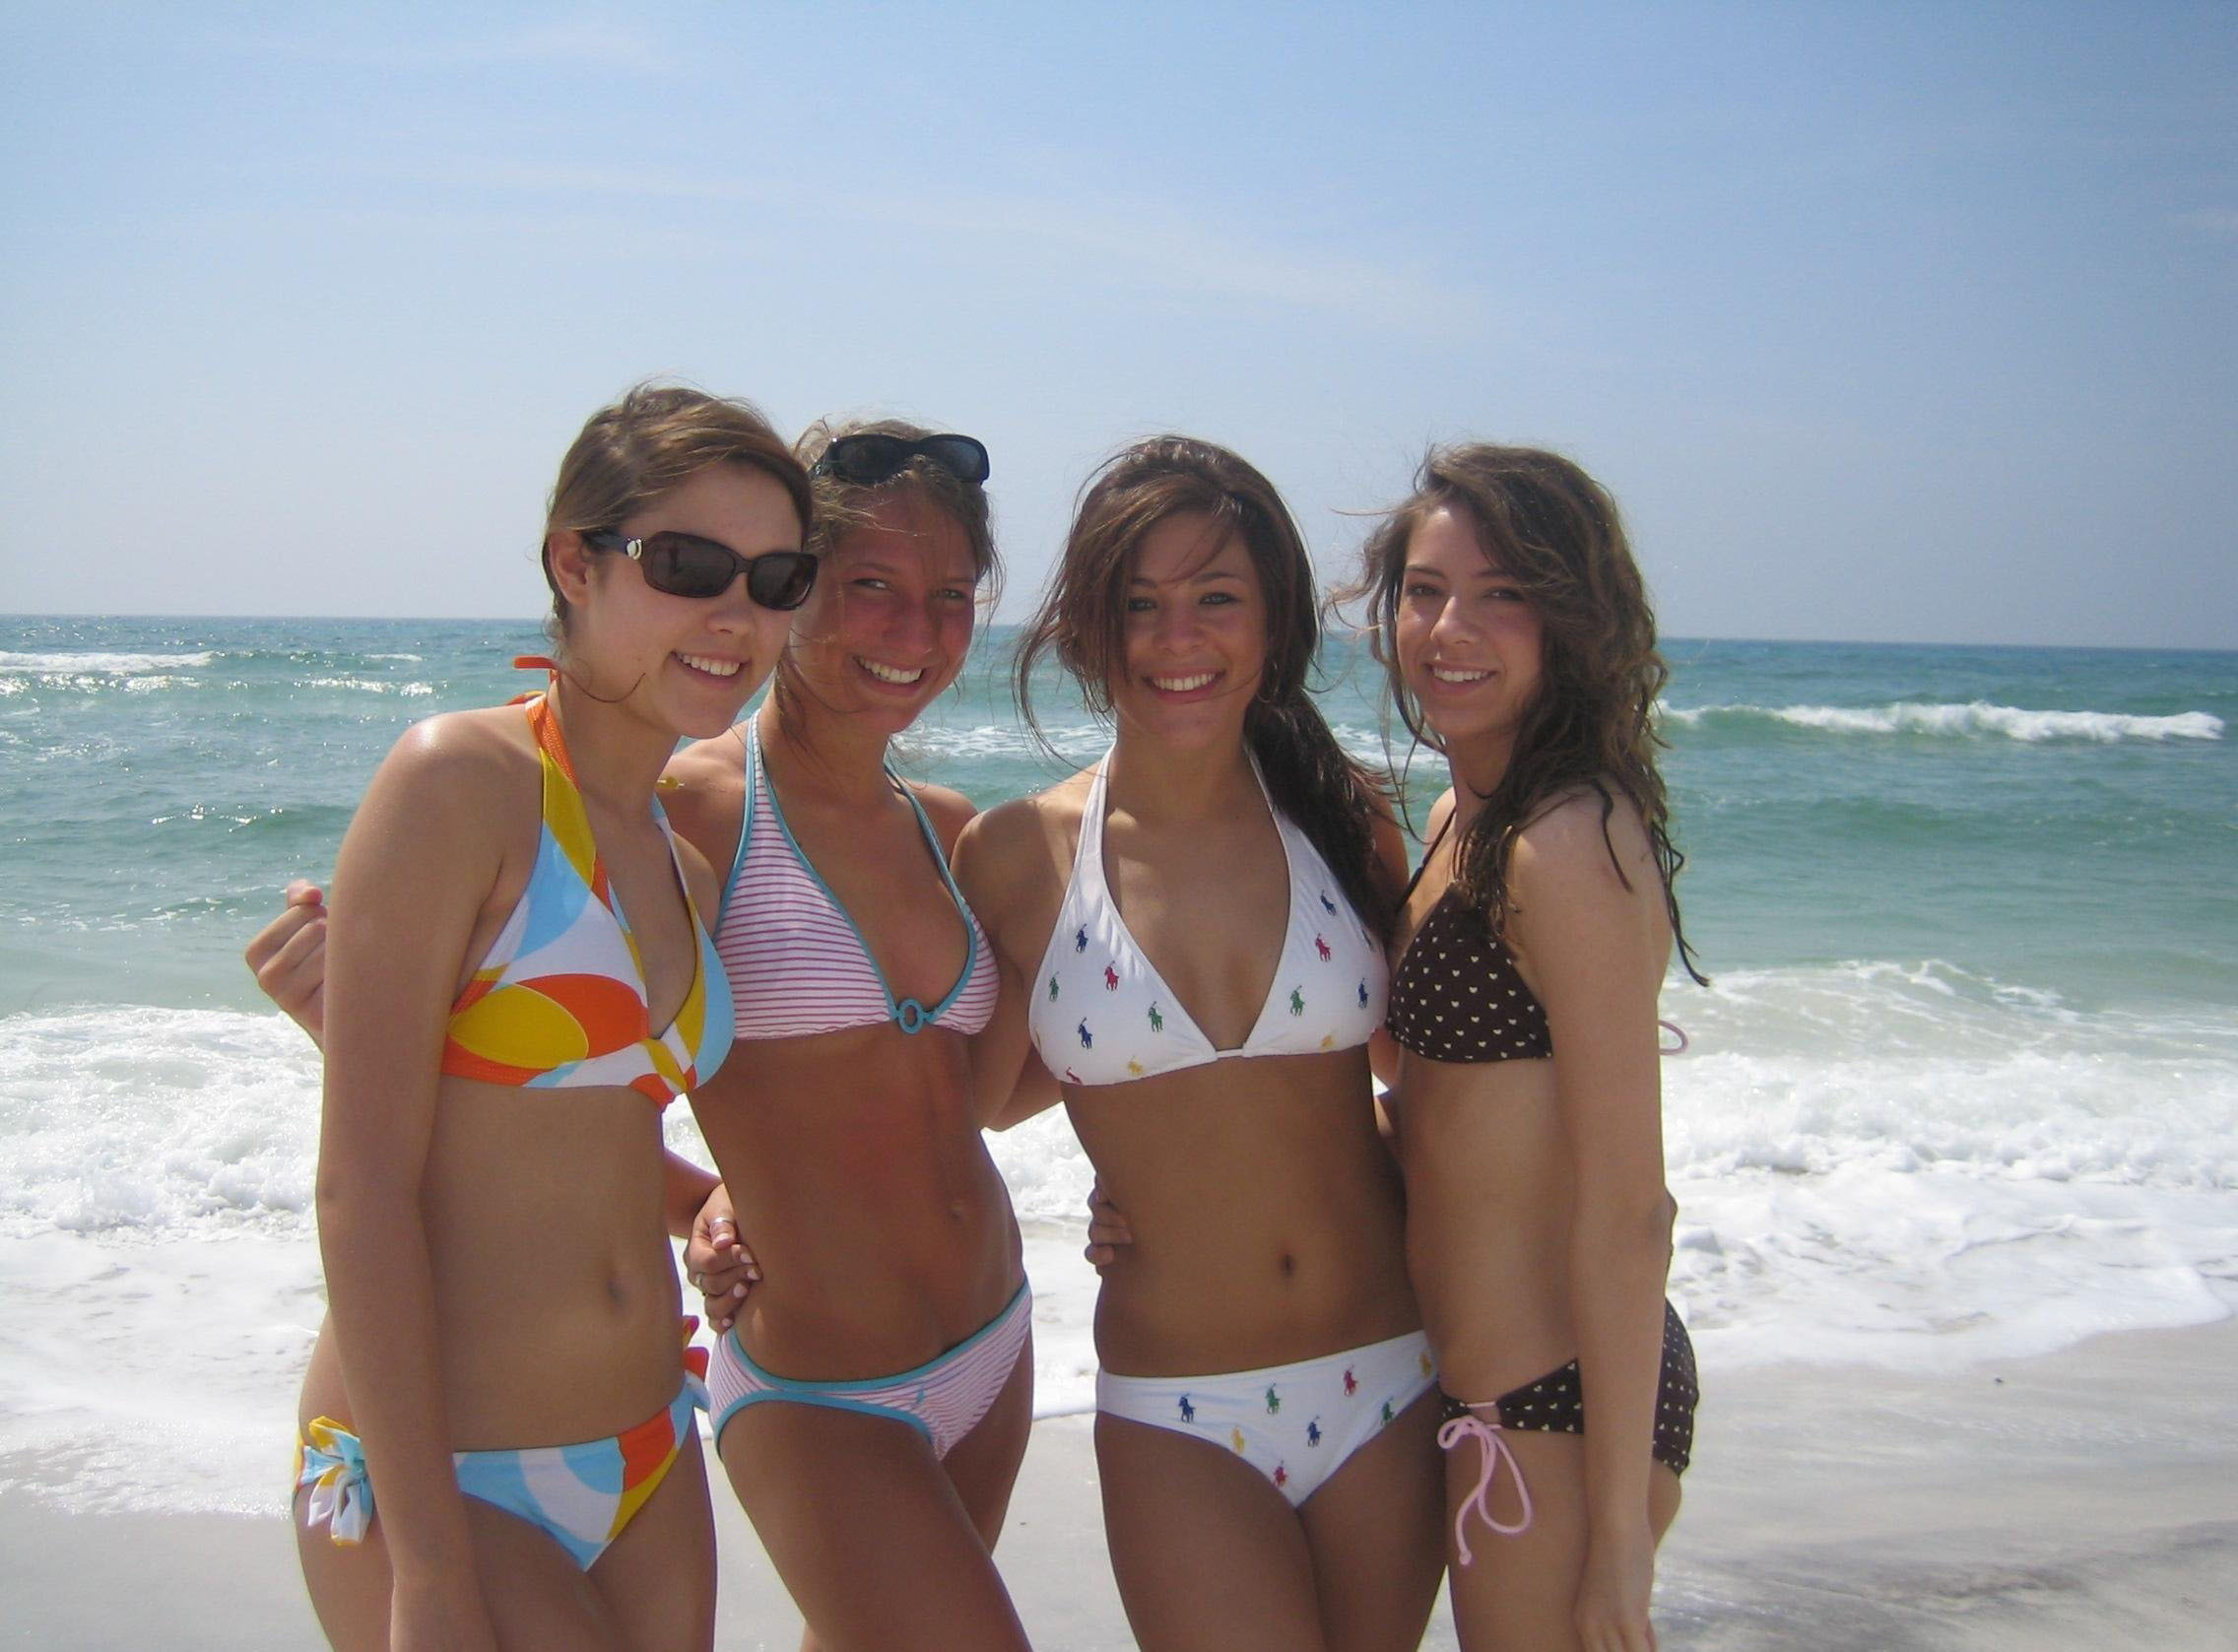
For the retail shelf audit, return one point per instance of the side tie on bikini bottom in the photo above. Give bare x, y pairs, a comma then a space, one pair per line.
1468, 1426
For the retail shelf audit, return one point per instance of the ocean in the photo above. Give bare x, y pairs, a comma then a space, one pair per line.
1964, 1084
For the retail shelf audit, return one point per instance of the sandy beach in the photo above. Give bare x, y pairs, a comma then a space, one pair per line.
2084, 1499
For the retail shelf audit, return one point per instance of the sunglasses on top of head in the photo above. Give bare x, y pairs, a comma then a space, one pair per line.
873, 457
687, 565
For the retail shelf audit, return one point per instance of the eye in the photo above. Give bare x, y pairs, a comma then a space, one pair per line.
1211, 599
1416, 591
955, 593
1140, 605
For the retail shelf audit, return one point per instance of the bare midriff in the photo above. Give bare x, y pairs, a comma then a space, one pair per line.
1488, 1201
864, 1189
556, 1298
1266, 1213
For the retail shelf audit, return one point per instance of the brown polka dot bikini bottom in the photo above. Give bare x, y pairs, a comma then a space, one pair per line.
1555, 1404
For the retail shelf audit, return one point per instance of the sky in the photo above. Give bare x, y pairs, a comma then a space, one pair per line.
1902, 322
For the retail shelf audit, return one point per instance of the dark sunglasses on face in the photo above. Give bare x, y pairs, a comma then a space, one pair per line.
687, 565
874, 457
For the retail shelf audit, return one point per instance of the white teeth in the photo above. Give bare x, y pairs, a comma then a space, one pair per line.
1181, 685
711, 666
890, 672
1448, 674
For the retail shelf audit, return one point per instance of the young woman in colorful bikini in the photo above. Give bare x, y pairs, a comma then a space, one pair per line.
1518, 642
1191, 936
521, 983
871, 1401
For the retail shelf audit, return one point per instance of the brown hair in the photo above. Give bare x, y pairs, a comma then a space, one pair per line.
843, 506
1552, 529
1333, 797
633, 453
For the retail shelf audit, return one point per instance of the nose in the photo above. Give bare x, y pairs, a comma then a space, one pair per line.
732, 611
1177, 626
910, 627
1454, 621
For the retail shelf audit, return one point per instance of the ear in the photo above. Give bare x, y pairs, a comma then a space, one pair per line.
570, 561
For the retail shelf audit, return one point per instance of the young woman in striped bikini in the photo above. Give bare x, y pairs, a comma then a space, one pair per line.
871, 1401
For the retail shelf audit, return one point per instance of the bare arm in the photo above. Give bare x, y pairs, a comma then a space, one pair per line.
993, 860
1596, 950
420, 861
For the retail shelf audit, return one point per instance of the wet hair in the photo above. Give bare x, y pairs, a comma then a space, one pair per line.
1333, 798
843, 507
1591, 726
635, 452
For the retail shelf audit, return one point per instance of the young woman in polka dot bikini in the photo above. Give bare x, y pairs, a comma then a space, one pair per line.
1518, 640
1192, 933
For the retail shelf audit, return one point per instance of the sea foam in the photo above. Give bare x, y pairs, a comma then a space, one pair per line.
1973, 718
16, 663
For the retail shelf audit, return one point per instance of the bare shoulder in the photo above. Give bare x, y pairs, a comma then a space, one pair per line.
703, 791
948, 809
448, 762
1012, 858
1587, 837
1440, 812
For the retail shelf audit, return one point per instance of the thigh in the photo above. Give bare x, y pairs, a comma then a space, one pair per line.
348, 1584
1207, 1553
1377, 1536
536, 1595
983, 1465
866, 1530
1521, 1591
658, 1577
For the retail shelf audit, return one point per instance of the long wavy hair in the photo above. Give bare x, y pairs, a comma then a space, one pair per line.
1591, 726
1333, 798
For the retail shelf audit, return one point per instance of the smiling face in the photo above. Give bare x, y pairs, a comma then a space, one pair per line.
1194, 640
889, 625
1470, 643
693, 661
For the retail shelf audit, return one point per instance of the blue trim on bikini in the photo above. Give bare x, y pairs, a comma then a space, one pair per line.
907, 1014
820, 1391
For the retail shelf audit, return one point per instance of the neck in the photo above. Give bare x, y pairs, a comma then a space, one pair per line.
838, 757
1477, 768
1161, 785
617, 756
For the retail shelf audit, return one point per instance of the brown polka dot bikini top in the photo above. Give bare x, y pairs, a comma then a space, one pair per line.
1457, 994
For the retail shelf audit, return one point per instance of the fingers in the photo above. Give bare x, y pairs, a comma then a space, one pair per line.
722, 1270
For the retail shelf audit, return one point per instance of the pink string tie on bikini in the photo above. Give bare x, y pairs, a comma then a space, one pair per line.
1468, 1426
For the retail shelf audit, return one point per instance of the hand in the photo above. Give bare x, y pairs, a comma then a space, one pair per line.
1107, 1230
1613, 1593
716, 1264
287, 956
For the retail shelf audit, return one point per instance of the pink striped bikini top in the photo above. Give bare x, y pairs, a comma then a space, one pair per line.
797, 960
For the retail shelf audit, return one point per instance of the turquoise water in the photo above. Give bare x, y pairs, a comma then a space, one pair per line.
1965, 1083
2065, 820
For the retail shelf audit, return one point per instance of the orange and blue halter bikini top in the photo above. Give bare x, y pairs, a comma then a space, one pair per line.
560, 1000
